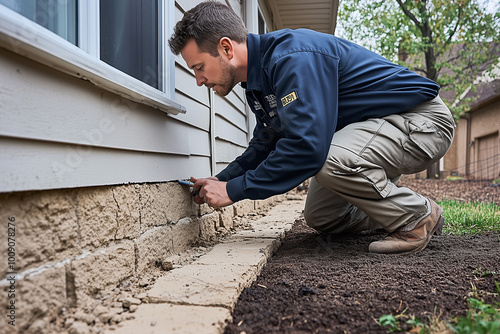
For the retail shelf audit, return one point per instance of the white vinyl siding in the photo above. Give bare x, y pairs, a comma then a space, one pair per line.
100, 166
61, 132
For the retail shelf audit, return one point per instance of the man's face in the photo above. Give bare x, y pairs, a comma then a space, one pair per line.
213, 72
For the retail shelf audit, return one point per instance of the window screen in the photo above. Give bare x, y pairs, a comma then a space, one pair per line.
129, 38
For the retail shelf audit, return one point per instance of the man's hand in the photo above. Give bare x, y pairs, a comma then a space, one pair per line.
211, 191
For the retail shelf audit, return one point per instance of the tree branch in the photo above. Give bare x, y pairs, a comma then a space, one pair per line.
456, 26
450, 36
420, 70
452, 59
409, 14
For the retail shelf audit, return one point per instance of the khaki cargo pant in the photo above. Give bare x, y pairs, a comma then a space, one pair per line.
356, 188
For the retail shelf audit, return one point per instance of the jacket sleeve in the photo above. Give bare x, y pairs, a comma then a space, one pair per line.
262, 143
306, 86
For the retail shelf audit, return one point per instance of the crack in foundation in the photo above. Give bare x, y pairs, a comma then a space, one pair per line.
116, 215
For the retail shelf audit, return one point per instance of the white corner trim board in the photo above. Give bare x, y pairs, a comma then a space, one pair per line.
26, 38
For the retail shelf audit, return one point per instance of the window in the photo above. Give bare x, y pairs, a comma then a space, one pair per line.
129, 37
124, 36
262, 24
59, 17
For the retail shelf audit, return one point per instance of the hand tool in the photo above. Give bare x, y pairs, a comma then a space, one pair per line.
190, 184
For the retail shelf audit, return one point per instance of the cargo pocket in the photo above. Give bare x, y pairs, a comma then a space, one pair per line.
425, 145
353, 176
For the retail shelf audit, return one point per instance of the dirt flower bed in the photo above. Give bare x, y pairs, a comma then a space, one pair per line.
323, 284
463, 190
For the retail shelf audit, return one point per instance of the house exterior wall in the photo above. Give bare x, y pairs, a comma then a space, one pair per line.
62, 132
485, 127
88, 179
477, 143
449, 161
461, 142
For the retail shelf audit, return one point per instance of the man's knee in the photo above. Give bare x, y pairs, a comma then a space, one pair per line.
317, 217
325, 218
318, 223
313, 219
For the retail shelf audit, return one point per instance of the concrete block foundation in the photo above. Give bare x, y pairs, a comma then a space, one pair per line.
68, 246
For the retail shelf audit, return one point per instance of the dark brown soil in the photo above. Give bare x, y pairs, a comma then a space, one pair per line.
324, 284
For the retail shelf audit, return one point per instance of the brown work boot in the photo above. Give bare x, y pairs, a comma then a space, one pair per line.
409, 242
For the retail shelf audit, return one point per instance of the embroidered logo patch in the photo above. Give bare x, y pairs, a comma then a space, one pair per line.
271, 100
289, 99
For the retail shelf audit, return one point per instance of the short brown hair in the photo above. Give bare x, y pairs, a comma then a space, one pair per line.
207, 23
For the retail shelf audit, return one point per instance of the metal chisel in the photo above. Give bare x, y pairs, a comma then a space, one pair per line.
190, 184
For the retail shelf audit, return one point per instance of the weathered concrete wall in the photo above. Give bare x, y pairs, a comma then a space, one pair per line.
68, 245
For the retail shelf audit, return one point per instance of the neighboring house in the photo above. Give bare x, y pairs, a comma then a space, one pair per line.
475, 153
96, 117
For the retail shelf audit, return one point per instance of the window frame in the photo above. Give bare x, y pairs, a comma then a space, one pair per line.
25, 37
260, 16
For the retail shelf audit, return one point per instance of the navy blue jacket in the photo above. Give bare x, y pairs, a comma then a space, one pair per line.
303, 86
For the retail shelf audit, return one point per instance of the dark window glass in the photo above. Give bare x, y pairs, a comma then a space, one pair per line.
129, 37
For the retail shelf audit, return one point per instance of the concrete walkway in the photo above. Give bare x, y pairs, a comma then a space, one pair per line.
198, 298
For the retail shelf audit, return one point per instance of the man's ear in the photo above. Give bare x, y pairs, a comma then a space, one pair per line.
226, 47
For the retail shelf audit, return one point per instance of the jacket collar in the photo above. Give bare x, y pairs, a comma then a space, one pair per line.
253, 69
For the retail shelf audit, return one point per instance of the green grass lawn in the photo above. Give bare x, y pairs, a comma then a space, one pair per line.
470, 218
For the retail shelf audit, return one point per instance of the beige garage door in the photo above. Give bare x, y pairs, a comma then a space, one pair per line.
488, 162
